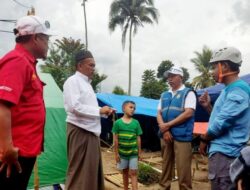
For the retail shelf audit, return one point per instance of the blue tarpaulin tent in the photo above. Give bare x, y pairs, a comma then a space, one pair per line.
144, 106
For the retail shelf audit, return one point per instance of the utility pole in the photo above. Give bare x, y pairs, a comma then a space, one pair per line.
31, 11
85, 21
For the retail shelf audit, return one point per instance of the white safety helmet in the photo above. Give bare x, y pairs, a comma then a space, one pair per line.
227, 54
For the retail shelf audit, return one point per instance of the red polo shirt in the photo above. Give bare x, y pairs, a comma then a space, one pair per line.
21, 86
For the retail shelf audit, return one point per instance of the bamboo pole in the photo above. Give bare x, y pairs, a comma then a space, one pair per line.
36, 176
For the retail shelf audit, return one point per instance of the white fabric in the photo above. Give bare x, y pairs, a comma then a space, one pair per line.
81, 104
190, 101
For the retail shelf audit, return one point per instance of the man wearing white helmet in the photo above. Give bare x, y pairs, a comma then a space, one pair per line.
229, 123
176, 121
22, 110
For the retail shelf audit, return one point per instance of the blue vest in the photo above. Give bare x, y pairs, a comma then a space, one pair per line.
173, 107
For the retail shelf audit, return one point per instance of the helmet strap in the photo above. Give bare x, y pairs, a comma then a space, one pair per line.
221, 74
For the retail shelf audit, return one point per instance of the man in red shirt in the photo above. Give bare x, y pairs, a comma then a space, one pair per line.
22, 109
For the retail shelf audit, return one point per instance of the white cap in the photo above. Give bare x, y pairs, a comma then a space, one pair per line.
31, 24
227, 54
173, 70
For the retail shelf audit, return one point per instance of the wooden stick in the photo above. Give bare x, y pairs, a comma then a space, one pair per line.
36, 176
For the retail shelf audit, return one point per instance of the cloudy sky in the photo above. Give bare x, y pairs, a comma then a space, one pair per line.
184, 27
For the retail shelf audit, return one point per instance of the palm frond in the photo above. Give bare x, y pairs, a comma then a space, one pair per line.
119, 20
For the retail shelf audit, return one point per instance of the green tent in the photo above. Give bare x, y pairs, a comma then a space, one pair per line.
52, 163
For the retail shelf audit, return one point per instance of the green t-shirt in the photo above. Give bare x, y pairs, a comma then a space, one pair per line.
127, 137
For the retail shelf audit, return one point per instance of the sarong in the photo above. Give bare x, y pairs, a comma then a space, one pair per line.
85, 170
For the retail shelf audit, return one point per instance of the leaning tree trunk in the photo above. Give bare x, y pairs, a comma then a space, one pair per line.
130, 60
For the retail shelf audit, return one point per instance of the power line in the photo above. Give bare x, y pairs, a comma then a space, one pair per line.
22, 4
7, 20
5, 31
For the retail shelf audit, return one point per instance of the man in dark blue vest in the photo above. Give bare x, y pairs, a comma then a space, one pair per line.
176, 120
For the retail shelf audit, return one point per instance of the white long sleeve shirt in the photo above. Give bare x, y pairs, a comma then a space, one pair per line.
80, 103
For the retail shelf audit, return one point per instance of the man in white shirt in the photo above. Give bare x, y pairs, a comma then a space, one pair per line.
83, 127
176, 120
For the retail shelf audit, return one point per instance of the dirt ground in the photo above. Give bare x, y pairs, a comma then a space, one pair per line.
199, 171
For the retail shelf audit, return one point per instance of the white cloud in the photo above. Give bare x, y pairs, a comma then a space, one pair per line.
242, 13
184, 27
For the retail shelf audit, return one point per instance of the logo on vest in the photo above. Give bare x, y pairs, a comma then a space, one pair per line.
178, 96
33, 77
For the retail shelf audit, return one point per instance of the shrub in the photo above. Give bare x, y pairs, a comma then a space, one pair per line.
147, 175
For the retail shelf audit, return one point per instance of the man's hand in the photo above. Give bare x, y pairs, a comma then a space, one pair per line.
205, 102
9, 158
205, 99
239, 184
168, 137
164, 127
107, 110
8, 153
203, 148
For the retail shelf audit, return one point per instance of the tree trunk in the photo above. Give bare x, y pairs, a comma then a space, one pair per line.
85, 21
130, 60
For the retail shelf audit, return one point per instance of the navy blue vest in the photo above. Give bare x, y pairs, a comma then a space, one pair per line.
173, 107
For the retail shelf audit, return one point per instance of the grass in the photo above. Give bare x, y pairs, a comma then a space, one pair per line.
147, 175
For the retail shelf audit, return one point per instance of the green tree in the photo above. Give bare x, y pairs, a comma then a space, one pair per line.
60, 62
202, 65
185, 75
164, 66
151, 87
97, 79
130, 14
118, 90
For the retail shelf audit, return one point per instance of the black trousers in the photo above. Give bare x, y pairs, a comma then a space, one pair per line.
18, 181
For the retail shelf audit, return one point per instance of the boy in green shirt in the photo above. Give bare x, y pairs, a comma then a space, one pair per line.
127, 143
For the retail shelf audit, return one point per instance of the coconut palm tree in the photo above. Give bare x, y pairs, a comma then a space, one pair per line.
131, 14
201, 63
85, 23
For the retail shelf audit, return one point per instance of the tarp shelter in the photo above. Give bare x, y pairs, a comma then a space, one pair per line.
52, 163
145, 113
214, 91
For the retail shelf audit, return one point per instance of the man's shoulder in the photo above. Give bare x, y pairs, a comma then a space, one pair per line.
166, 93
12, 57
241, 86
71, 79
